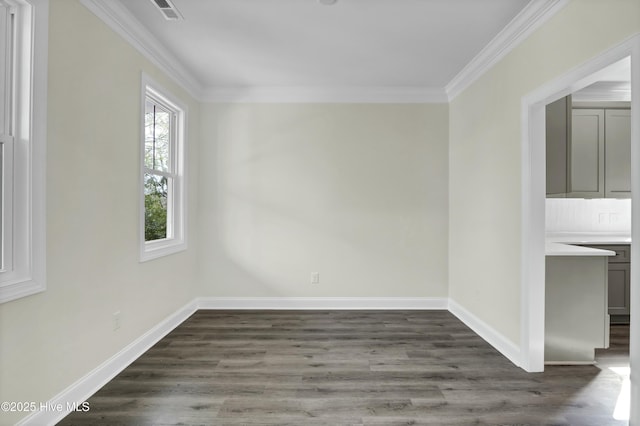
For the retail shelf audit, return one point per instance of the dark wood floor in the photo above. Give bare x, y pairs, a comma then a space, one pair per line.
347, 368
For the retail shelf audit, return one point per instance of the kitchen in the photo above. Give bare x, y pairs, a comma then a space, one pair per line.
588, 217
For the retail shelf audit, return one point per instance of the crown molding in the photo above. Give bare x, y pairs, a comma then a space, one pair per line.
534, 14
120, 20
289, 94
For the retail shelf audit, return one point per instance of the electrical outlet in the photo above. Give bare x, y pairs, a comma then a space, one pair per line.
315, 278
116, 320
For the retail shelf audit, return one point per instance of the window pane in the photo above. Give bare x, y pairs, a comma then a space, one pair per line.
157, 125
2, 243
6, 43
156, 195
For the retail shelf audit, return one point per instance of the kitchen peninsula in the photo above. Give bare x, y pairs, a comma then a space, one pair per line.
619, 266
576, 306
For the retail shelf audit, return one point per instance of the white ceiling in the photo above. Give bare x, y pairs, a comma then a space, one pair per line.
302, 43
612, 83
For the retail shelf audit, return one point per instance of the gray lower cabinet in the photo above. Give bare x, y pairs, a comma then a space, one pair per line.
619, 282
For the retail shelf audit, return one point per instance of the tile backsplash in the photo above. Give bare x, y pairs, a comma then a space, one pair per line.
588, 215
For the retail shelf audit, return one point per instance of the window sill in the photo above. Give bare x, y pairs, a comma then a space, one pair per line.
161, 248
13, 291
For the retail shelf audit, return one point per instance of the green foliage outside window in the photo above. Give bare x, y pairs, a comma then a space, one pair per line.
157, 162
156, 190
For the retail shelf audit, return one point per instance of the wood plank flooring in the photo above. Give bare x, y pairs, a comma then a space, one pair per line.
347, 368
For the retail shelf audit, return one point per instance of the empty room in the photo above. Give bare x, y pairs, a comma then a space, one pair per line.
319, 212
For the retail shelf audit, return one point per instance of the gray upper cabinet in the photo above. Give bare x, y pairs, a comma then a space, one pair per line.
588, 150
618, 153
558, 133
586, 154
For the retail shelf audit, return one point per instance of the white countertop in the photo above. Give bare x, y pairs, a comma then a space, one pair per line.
588, 238
560, 243
559, 249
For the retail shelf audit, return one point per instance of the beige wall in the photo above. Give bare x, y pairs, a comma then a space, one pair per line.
355, 192
381, 200
50, 340
484, 174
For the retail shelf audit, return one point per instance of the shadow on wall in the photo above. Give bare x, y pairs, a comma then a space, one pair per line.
321, 188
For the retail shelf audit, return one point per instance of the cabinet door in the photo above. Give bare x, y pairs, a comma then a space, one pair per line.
617, 153
586, 174
558, 131
619, 282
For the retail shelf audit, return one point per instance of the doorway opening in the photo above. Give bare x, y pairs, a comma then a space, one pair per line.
533, 204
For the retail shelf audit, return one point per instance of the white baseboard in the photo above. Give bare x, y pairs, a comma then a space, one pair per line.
503, 345
82, 389
322, 303
570, 363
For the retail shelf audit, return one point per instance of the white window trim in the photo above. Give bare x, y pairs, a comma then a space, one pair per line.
27, 274
178, 208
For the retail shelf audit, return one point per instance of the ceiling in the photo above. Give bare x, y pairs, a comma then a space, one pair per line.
304, 43
612, 83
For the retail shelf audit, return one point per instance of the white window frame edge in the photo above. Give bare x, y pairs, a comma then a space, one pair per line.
155, 249
31, 277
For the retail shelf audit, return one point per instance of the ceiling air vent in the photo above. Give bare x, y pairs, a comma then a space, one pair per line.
168, 10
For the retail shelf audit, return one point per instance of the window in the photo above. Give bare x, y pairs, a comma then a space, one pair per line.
7, 87
162, 193
23, 103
